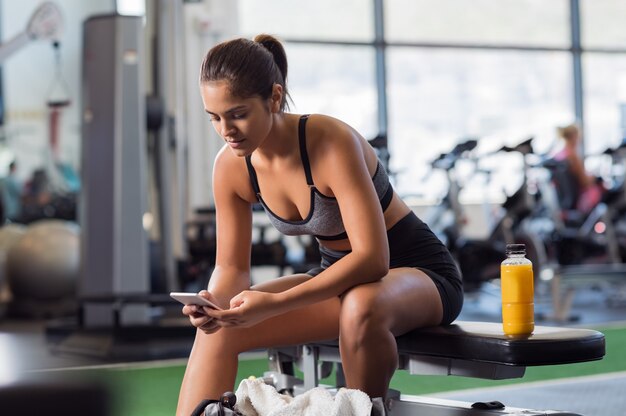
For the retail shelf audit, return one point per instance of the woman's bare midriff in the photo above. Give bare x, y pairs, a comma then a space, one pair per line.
396, 210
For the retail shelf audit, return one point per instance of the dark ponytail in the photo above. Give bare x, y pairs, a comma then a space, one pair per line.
251, 68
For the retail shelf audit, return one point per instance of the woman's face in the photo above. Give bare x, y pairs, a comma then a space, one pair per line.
243, 123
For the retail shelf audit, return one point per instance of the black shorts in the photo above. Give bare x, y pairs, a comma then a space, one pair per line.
413, 244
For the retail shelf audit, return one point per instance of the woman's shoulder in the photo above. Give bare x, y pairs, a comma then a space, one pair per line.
325, 122
331, 143
324, 130
230, 172
227, 159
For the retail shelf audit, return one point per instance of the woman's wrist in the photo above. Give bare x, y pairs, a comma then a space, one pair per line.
282, 302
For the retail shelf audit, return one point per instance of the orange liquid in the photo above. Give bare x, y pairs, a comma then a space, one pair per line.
518, 307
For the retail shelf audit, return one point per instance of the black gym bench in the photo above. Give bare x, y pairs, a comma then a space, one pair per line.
471, 349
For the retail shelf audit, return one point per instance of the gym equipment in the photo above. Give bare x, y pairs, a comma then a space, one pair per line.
518, 220
585, 247
42, 268
201, 243
114, 247
9, 235
46, 23
131, 188
126, 169
63, 178
44, 263
446, 219
610, 278
40, 204
555, 239
479, 260
575, 232
168, 156
470, 349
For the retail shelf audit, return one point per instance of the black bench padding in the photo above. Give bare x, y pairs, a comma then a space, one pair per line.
482, 341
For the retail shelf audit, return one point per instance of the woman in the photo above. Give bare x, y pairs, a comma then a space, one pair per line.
383, 272
588, 188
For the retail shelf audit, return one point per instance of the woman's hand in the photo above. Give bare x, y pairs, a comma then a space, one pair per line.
248, 308
198, 316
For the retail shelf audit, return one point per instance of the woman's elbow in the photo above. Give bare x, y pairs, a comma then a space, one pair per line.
377, 267
382, 271
373, 261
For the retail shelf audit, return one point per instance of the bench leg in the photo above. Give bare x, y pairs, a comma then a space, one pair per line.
396, 404
309, 367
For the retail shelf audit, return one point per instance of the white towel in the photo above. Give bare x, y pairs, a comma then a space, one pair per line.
256, 398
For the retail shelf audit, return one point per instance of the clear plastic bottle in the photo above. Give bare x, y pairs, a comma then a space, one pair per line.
518, 307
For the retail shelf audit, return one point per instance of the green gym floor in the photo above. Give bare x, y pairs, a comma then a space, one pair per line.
151, 387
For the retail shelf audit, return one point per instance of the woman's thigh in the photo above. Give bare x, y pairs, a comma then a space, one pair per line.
405, 299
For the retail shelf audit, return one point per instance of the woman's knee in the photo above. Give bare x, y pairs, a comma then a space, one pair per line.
363, 314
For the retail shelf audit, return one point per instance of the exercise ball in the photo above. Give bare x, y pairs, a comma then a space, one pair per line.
9, 235
44, 264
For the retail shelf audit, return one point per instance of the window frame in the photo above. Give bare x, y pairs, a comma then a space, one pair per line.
380, 45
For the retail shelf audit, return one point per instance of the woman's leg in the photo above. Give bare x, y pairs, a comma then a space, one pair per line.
373, 314
212, 366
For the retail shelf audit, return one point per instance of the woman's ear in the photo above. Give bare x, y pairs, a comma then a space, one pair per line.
277, 98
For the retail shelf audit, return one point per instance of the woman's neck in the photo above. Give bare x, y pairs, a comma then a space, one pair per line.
282, 140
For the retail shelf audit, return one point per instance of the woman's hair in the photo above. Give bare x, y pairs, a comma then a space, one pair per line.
251, 67
568, 132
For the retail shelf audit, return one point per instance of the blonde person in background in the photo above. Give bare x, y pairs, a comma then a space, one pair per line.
383, 272
589, 189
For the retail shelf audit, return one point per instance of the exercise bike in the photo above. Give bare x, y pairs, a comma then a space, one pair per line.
479, 259
518, 219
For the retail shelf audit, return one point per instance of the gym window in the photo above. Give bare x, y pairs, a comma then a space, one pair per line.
430, 73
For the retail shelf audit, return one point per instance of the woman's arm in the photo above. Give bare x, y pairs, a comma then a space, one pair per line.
231, 274
233, 226
339, 164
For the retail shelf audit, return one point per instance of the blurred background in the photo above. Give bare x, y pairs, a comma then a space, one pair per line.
106, 156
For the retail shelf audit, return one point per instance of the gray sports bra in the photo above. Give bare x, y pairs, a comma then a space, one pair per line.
324, 218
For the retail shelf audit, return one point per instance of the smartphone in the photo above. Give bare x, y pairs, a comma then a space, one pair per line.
193, 299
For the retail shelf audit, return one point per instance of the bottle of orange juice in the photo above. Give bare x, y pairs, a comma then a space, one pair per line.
516, 279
